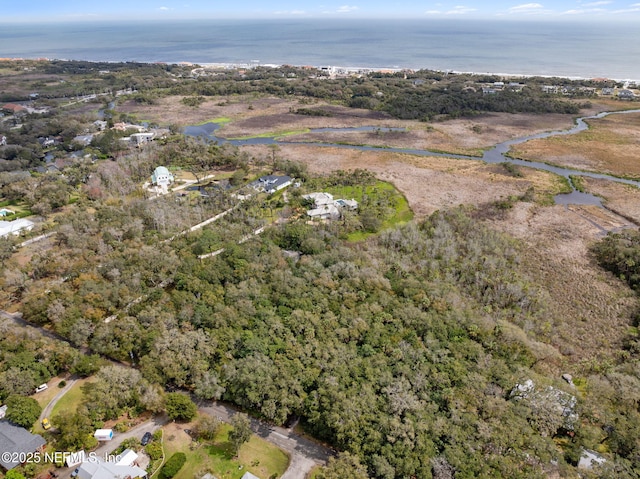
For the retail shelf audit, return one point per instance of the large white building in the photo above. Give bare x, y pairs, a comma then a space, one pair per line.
161, 177
15, 227
120, 467
326, 208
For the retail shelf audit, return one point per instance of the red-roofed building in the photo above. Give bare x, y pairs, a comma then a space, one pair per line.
13, 108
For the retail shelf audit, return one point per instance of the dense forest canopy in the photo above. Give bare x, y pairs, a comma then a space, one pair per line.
410, 350
403, 350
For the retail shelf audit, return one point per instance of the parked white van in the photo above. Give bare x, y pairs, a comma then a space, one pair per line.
41, 388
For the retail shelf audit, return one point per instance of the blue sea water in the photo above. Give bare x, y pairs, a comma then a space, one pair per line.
575, 49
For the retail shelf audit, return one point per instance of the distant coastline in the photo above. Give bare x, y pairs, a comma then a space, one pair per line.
349, 69
551, 49
355, 69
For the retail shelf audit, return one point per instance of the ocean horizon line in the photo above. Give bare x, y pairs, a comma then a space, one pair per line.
510, 49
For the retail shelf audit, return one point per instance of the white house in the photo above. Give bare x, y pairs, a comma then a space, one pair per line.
161, 177
271, 183
326, 208
126, 458
97, 468
319, 199
324, 212
347, 204
140, 138
15, 227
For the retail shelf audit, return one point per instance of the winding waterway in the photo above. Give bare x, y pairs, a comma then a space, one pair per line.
497, 154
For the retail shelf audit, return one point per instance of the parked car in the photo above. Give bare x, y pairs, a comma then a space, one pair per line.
41, 388
75, 472
146, 439
46, 425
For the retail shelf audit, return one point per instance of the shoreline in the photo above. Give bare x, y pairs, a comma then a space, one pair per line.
335, 69
396, 69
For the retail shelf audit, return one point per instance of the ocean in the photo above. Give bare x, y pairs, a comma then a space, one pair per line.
582, 50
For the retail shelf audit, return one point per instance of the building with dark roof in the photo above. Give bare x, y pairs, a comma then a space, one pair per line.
17, 442
271, 183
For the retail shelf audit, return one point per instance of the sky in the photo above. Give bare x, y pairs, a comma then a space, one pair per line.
83, 10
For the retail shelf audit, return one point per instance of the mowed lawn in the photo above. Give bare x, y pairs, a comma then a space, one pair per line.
257, 456
44, 397
72, 399
381, 189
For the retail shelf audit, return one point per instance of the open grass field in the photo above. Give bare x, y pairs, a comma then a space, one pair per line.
256, 456
610, 145
72, 399
44, 397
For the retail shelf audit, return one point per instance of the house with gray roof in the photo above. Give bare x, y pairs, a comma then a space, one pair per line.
326, 208
324, 212
626, 94
271, 183
17, 442
97, 468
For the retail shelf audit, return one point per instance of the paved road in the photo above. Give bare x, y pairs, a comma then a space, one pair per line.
305, 453
17, 318
151, 426
107, 447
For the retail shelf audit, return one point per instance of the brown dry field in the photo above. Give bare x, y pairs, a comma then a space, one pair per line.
610, 145
428, 183
257, 116
588, 309
619, 198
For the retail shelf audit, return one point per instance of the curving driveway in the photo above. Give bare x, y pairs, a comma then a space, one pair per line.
305, 453
46, 411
